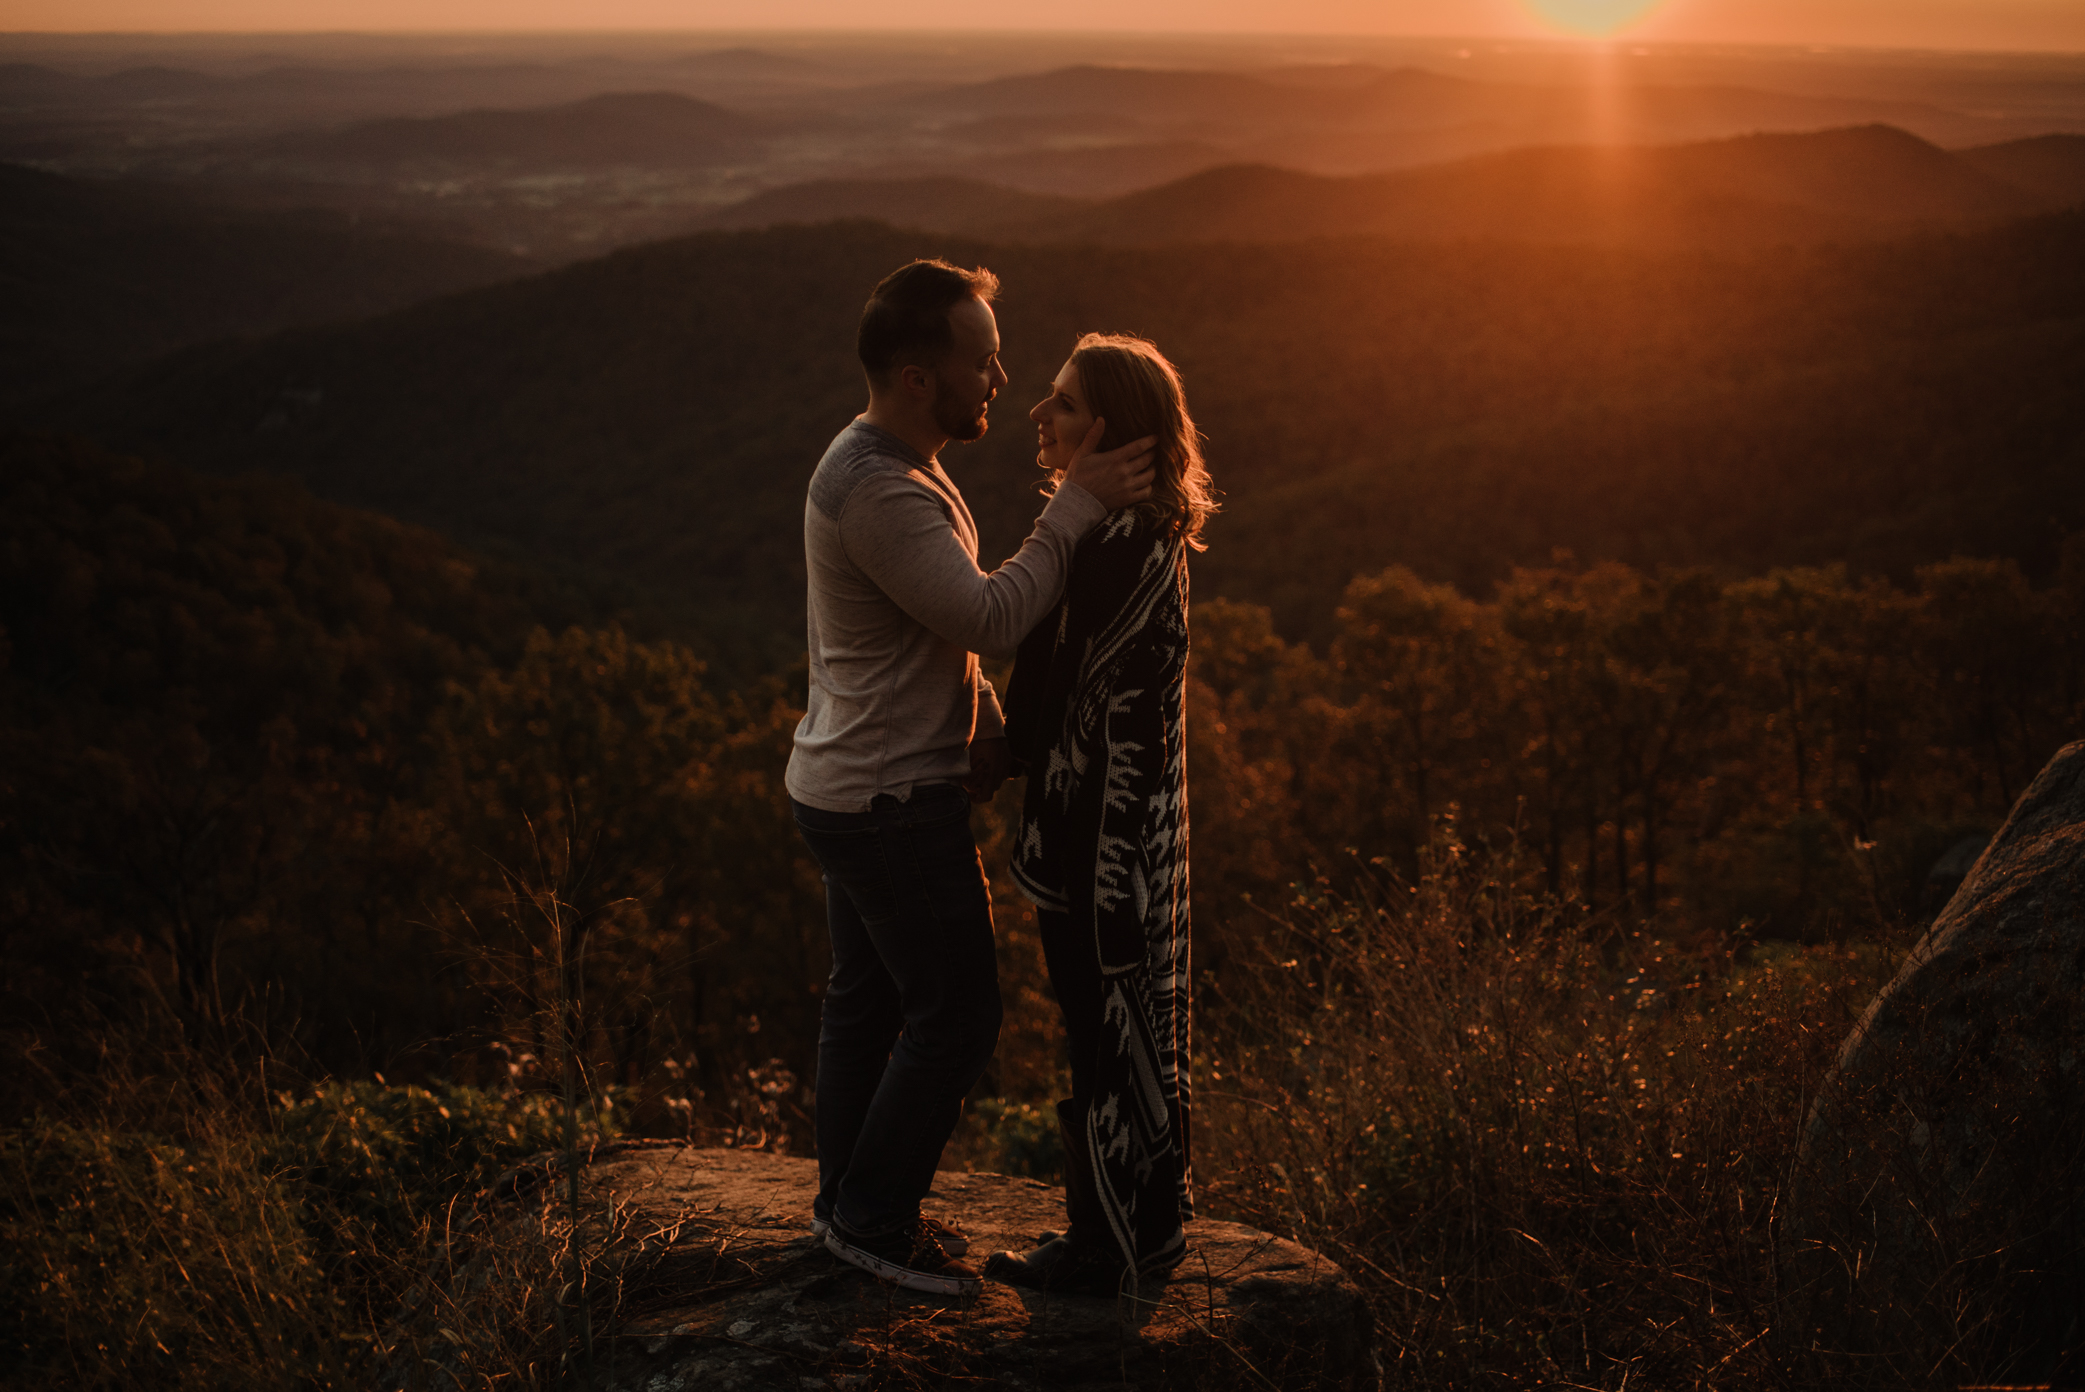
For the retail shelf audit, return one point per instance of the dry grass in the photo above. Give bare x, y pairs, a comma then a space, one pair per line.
138, 1262
516, 1292
1551, 1148
181, 1228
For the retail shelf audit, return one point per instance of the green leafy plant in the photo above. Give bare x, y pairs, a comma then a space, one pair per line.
1019, 1138
387, 1155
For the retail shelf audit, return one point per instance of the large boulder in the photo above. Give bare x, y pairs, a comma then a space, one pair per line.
723, 1289
1933, 1224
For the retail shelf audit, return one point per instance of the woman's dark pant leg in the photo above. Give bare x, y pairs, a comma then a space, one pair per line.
1074, 964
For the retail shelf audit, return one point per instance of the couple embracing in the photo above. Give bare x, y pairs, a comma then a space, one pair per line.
902, 734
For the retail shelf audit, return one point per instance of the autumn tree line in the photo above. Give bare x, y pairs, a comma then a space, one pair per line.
283, 770
1784, 755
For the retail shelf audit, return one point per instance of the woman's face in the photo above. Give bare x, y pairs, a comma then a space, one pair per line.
1061, 421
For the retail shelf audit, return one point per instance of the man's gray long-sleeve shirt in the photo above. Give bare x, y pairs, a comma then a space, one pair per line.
896, 613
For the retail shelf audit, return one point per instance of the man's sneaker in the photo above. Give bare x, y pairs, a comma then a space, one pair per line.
912, 1257
953, 1240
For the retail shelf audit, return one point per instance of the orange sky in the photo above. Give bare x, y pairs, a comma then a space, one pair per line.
1985, 24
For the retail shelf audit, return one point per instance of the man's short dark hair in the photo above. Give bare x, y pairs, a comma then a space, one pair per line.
906, 320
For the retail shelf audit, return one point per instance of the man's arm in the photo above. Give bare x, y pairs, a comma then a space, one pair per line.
897, 531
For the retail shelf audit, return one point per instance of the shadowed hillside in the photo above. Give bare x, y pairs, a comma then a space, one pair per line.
654, 414
93, 276
2050, 165
1861, 183
1757, 190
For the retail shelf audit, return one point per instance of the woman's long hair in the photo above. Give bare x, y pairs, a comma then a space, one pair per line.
1129, 383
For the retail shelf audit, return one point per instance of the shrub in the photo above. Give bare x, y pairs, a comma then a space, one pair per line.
384, 1156
1019, 1138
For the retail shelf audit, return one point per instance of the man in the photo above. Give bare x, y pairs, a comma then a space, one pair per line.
900, 735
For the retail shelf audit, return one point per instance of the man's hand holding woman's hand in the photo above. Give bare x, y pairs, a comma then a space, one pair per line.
991, 763
1120, 478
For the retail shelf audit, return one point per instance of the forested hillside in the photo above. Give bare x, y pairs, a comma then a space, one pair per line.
1458, 409
94, 276
274, 759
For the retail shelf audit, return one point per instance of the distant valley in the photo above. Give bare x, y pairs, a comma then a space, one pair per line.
564, 159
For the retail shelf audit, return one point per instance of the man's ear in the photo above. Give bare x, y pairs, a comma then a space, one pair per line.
914, 379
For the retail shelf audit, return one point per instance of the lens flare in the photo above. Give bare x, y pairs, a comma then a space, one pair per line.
1596, 19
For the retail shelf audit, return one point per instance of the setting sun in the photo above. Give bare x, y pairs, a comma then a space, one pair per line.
1597, 19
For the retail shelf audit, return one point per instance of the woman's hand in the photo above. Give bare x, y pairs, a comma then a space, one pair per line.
991, 763
1121, 477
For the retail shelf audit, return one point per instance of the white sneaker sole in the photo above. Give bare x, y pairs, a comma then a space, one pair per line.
897, 1275
952, 1242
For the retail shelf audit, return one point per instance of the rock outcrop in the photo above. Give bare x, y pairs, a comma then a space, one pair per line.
1937, 1215
734, 1295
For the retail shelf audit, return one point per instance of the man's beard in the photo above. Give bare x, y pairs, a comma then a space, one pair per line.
957, 419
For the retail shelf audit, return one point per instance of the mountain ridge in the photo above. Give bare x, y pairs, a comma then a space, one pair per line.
1864, 183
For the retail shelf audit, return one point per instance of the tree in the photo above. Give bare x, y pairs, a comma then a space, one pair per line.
1424, 664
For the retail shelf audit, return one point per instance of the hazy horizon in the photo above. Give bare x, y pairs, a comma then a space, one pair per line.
1944, 25
2068, 44
288, 119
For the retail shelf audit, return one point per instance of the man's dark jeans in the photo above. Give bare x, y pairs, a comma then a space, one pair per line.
912, 1011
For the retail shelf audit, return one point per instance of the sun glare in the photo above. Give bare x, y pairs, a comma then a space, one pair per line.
1593, 19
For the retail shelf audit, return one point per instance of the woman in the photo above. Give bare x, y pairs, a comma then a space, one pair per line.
1096, 712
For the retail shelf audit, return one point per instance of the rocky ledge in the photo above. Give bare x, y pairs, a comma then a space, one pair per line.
1936, 1219
728, 1291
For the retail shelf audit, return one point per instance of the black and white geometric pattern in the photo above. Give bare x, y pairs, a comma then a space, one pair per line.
1097, 710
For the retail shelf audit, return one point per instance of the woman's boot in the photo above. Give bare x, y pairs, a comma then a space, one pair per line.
1084, 1260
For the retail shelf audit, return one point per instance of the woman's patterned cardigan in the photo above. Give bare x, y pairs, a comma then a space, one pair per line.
1097, 711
